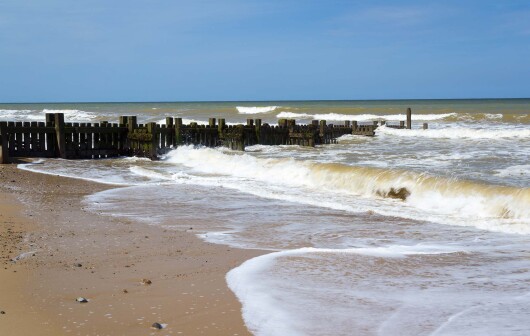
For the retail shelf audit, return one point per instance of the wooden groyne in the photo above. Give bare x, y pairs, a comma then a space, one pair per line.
56, 138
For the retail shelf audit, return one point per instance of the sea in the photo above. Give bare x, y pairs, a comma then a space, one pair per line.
342, 257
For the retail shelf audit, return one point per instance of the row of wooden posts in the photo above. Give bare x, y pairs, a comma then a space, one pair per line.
56, 139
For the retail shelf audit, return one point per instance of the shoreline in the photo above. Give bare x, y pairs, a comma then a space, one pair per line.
105, 259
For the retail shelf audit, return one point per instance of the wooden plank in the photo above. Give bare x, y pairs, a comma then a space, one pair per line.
18, 137
89, 141
4, 150
34, 141
11, 138
42, 137
26, 142
96, 136
59, 131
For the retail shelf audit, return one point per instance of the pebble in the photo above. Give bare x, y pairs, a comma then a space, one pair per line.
2, 312
81, 300
157, 325
146, 282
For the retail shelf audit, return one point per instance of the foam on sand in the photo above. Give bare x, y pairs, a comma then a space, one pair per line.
255, 285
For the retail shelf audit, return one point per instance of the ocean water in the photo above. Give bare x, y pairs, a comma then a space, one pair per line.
345, 257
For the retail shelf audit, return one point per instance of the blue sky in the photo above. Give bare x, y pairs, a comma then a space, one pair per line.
161, 50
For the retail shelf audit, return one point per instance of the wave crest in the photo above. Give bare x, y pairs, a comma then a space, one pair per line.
255, 109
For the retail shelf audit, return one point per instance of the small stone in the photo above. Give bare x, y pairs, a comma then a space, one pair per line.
78, 265
125, 291
81, 300
2, 312
146, 282
157, 325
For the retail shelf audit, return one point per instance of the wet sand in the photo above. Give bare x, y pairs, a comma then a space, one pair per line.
75, 253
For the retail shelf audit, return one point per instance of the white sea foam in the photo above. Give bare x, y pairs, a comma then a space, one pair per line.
363, 117
292, 115
255, 109
39, 115
493, 115
21, 115
74, 115
187, 121
263, 310
514, 171
458, 133
66, 168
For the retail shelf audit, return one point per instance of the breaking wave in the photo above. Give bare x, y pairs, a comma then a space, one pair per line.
443, 200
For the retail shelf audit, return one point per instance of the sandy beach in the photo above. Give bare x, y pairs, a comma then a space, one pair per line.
133, 275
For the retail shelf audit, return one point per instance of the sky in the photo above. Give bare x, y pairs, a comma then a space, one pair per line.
172, 50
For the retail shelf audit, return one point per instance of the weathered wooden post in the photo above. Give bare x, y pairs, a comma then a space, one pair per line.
409, 118
132, 123
4, 151
178, 131
170, 136
425, 126
383, 122
346, 123
258, 131
151, 130
221, 125
211, 122
59, 132
323, 131
250, 122
51, 138
354, 125
375, 123
401, 124
123, 148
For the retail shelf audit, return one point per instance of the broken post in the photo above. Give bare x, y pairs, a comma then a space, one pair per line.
409, 118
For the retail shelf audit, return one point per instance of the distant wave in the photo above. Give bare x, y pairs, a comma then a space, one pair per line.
74, 115
458, 133
363, 117
18, 115
255, 109
292, 115
39, 115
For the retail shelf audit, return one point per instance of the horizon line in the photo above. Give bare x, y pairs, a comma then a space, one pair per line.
253, 101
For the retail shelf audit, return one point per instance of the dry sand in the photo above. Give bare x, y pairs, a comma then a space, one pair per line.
75, 253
